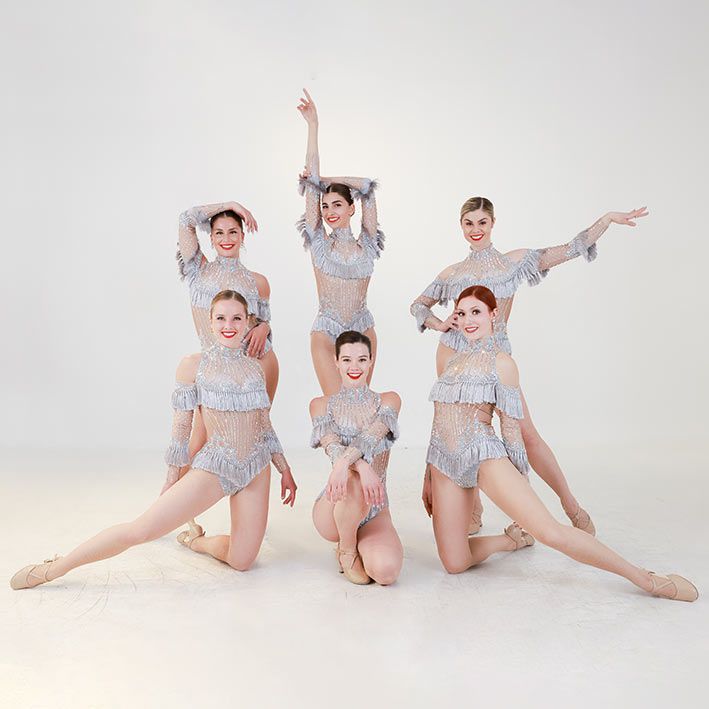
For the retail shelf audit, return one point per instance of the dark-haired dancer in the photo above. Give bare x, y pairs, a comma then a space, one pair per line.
229, 388
342, 263
225, 223
503, 274
356, 427
465, 452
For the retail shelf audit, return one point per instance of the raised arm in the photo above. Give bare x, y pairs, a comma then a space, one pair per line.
187, 241
184, 402
585, 243
310, 177
509, 408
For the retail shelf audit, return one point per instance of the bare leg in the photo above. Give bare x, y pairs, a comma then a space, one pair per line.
542, 459
269, 363
380, 548
198, 438
194, 493
249, 515
322, 349
453, 507
511, 492
348, 513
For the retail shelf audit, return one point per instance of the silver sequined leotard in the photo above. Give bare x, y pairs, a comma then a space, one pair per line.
502, 274
231, 391
342, 263
464, 397
206, 278
356, 426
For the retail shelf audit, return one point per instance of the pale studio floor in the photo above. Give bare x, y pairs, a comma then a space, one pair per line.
163, 627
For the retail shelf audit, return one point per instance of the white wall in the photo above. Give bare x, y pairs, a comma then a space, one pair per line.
117, 118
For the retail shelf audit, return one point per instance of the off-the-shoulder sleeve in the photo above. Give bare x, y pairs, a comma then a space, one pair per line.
326, 436
376, 438
184, 402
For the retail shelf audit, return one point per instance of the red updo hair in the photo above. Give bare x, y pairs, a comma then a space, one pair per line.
481, 293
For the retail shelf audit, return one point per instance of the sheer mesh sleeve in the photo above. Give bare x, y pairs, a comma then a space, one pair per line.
370, 225
582, 245
421, 310
274, 445
512, 438
326, 436
189, 253
184, 401
375, 438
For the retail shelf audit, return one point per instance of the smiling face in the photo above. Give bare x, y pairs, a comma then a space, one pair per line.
227, 236
477, 228
229, 322
354, 364
336, 212
474, 318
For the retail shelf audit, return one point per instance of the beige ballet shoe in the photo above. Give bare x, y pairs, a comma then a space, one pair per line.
354, 569
582, 520
519, 536
674, 587
187, 537
31, 576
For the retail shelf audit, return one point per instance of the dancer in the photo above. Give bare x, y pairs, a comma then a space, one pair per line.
230, 389
356, 428
465, 453
342, 263
503, 274
225, 222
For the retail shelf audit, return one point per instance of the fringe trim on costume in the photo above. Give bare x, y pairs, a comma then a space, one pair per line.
465, 392
508, 400
321, 426
422, 313
188, 269
263, 310
579, 247
504, 286
371, 446
234, 475
455, 339
271, 441
234, 400
177, 453
462, 467
312, 182
323, 323
185, 397
518, 455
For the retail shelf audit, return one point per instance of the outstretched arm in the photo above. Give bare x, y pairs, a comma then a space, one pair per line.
585, 243
310, 177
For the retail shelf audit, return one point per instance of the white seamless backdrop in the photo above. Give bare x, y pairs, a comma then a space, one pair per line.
120, 116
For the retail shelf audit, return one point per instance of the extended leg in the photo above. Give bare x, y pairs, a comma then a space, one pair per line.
322, 349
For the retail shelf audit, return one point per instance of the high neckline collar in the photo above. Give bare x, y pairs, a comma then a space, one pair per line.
228, 351
231, 263
357, 393
486, 251
343, 234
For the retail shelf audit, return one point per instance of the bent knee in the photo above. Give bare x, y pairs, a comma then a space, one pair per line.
241, 561
384, 571
455, 564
